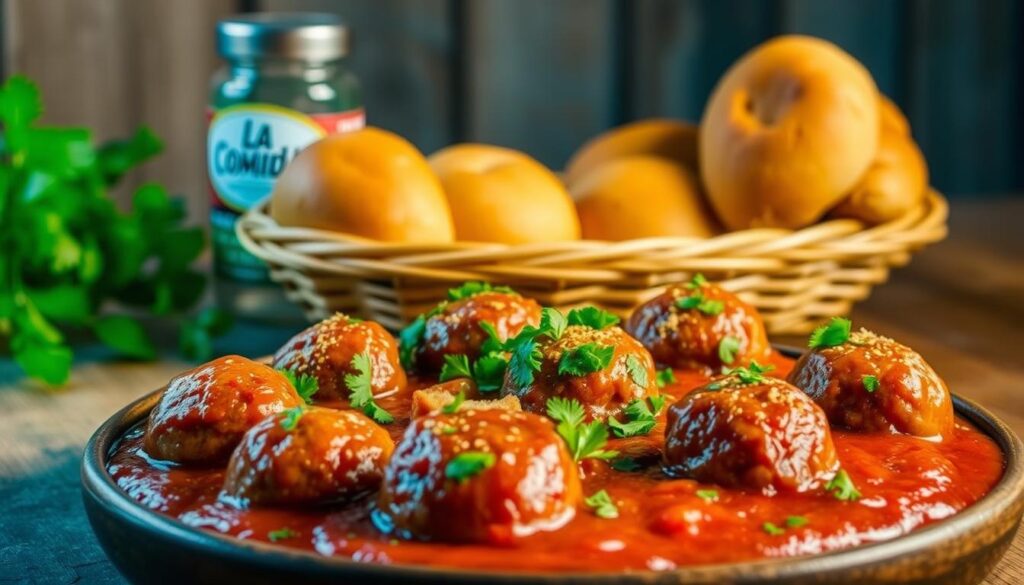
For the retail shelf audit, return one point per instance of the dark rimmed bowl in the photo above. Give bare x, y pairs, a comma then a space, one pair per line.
148, 547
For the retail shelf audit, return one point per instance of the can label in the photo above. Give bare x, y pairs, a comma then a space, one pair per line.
247, 147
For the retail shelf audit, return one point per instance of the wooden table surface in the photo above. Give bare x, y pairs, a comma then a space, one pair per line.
959, 303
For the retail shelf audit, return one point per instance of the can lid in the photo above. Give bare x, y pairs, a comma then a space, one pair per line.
308, 36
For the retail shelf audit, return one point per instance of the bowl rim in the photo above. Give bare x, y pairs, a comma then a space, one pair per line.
1008, 492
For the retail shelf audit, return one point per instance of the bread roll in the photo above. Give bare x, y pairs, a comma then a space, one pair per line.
895, 183
671, 139
369, 183
787, 132
641, 197
892, 118
502, 195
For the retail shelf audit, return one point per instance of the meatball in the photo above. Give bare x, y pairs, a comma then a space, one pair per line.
628, 375
308, 456
455, 327
699, 325
764, 435
484, 476
204, 412
872, 383
326, 351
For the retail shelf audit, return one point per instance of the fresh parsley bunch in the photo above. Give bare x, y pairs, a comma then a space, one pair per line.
66, 250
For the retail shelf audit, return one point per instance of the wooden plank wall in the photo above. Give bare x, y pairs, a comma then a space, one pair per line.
541, 78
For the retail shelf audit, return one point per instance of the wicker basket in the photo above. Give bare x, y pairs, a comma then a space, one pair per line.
795, 278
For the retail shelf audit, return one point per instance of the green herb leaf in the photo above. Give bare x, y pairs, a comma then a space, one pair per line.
602, 505
626, 464
524, 363
493, 343
837, 332
637, 371
305, 385
592, 317
727, 349
708, 495
467, 464
697, 281
281, 534
552, 323
290, 418
409, 339
360, 389
772, 529
870, 383
117, 157
583, 440
126, 336
469, 289
585, 359
697, 301
455, 366
453, 406
796, 521
640, 418
489, 372
752, 374
665, 377
49, 363
842, 487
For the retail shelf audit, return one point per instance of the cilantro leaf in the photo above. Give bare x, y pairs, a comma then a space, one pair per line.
704, 305
626, 464
870, 383
583, 440
836, 332
524, 363
752, 374
602, 505
727, 349
453, 406
493, 343
637, 371
468, 464
290, 418
361, 391
592, 317
665, 377
281, 534
842, 487
697, 281
469, 289
489, 372
796, 521
640, 418
409, 339
708, 495
455, 366
552, 323
585, 359
305, 385
772, 529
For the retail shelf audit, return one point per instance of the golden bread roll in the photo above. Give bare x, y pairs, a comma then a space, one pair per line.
787, 132
641, 197
502, 195
891, 117
369, 183
895, 183
671, 139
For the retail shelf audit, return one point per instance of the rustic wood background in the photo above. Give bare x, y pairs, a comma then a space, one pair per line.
538, 76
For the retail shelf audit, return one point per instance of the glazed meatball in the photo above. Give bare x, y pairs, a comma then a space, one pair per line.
629, 374
696, 325
326, 350
484, 476
763, 435
454, 328
872, 383
308, 456
204, 412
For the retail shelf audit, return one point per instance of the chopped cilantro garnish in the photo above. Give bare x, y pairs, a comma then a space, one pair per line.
467, 464
592, 317
469, 289
524, 363
281, 534
640, 418
837, 332
637, 371
306, 386
584, 440
870, 383
493, 343
772, 529
489, 372
409, 339
453, 406
602, 505
361, 391
707, 495
752, 374
552, 323
842, 487
455, 366
795, 521
585, 359
697, 301
665, 377
697, 281
626, 464
727, 349
291, 418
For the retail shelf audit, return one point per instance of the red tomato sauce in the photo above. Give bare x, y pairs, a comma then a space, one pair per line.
663, 523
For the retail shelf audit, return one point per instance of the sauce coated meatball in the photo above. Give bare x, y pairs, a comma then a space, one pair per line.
763, 435
696, 325
204, 412
872, 383
326, 350
308, 456
484, 476
455, 328
628, 375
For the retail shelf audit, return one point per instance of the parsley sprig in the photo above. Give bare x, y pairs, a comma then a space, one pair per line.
702, 304
836, 332
290, 418
584, 440
592, 317
471, 289
727, 349
602, 505
360, 389
842, 487
665, 377
487, 371
67, 251
524, 361
870, 383
304, 384
281, 534
585, 359
468, 464
641, 416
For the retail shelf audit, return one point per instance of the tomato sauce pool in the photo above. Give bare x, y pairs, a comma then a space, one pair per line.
663, 523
